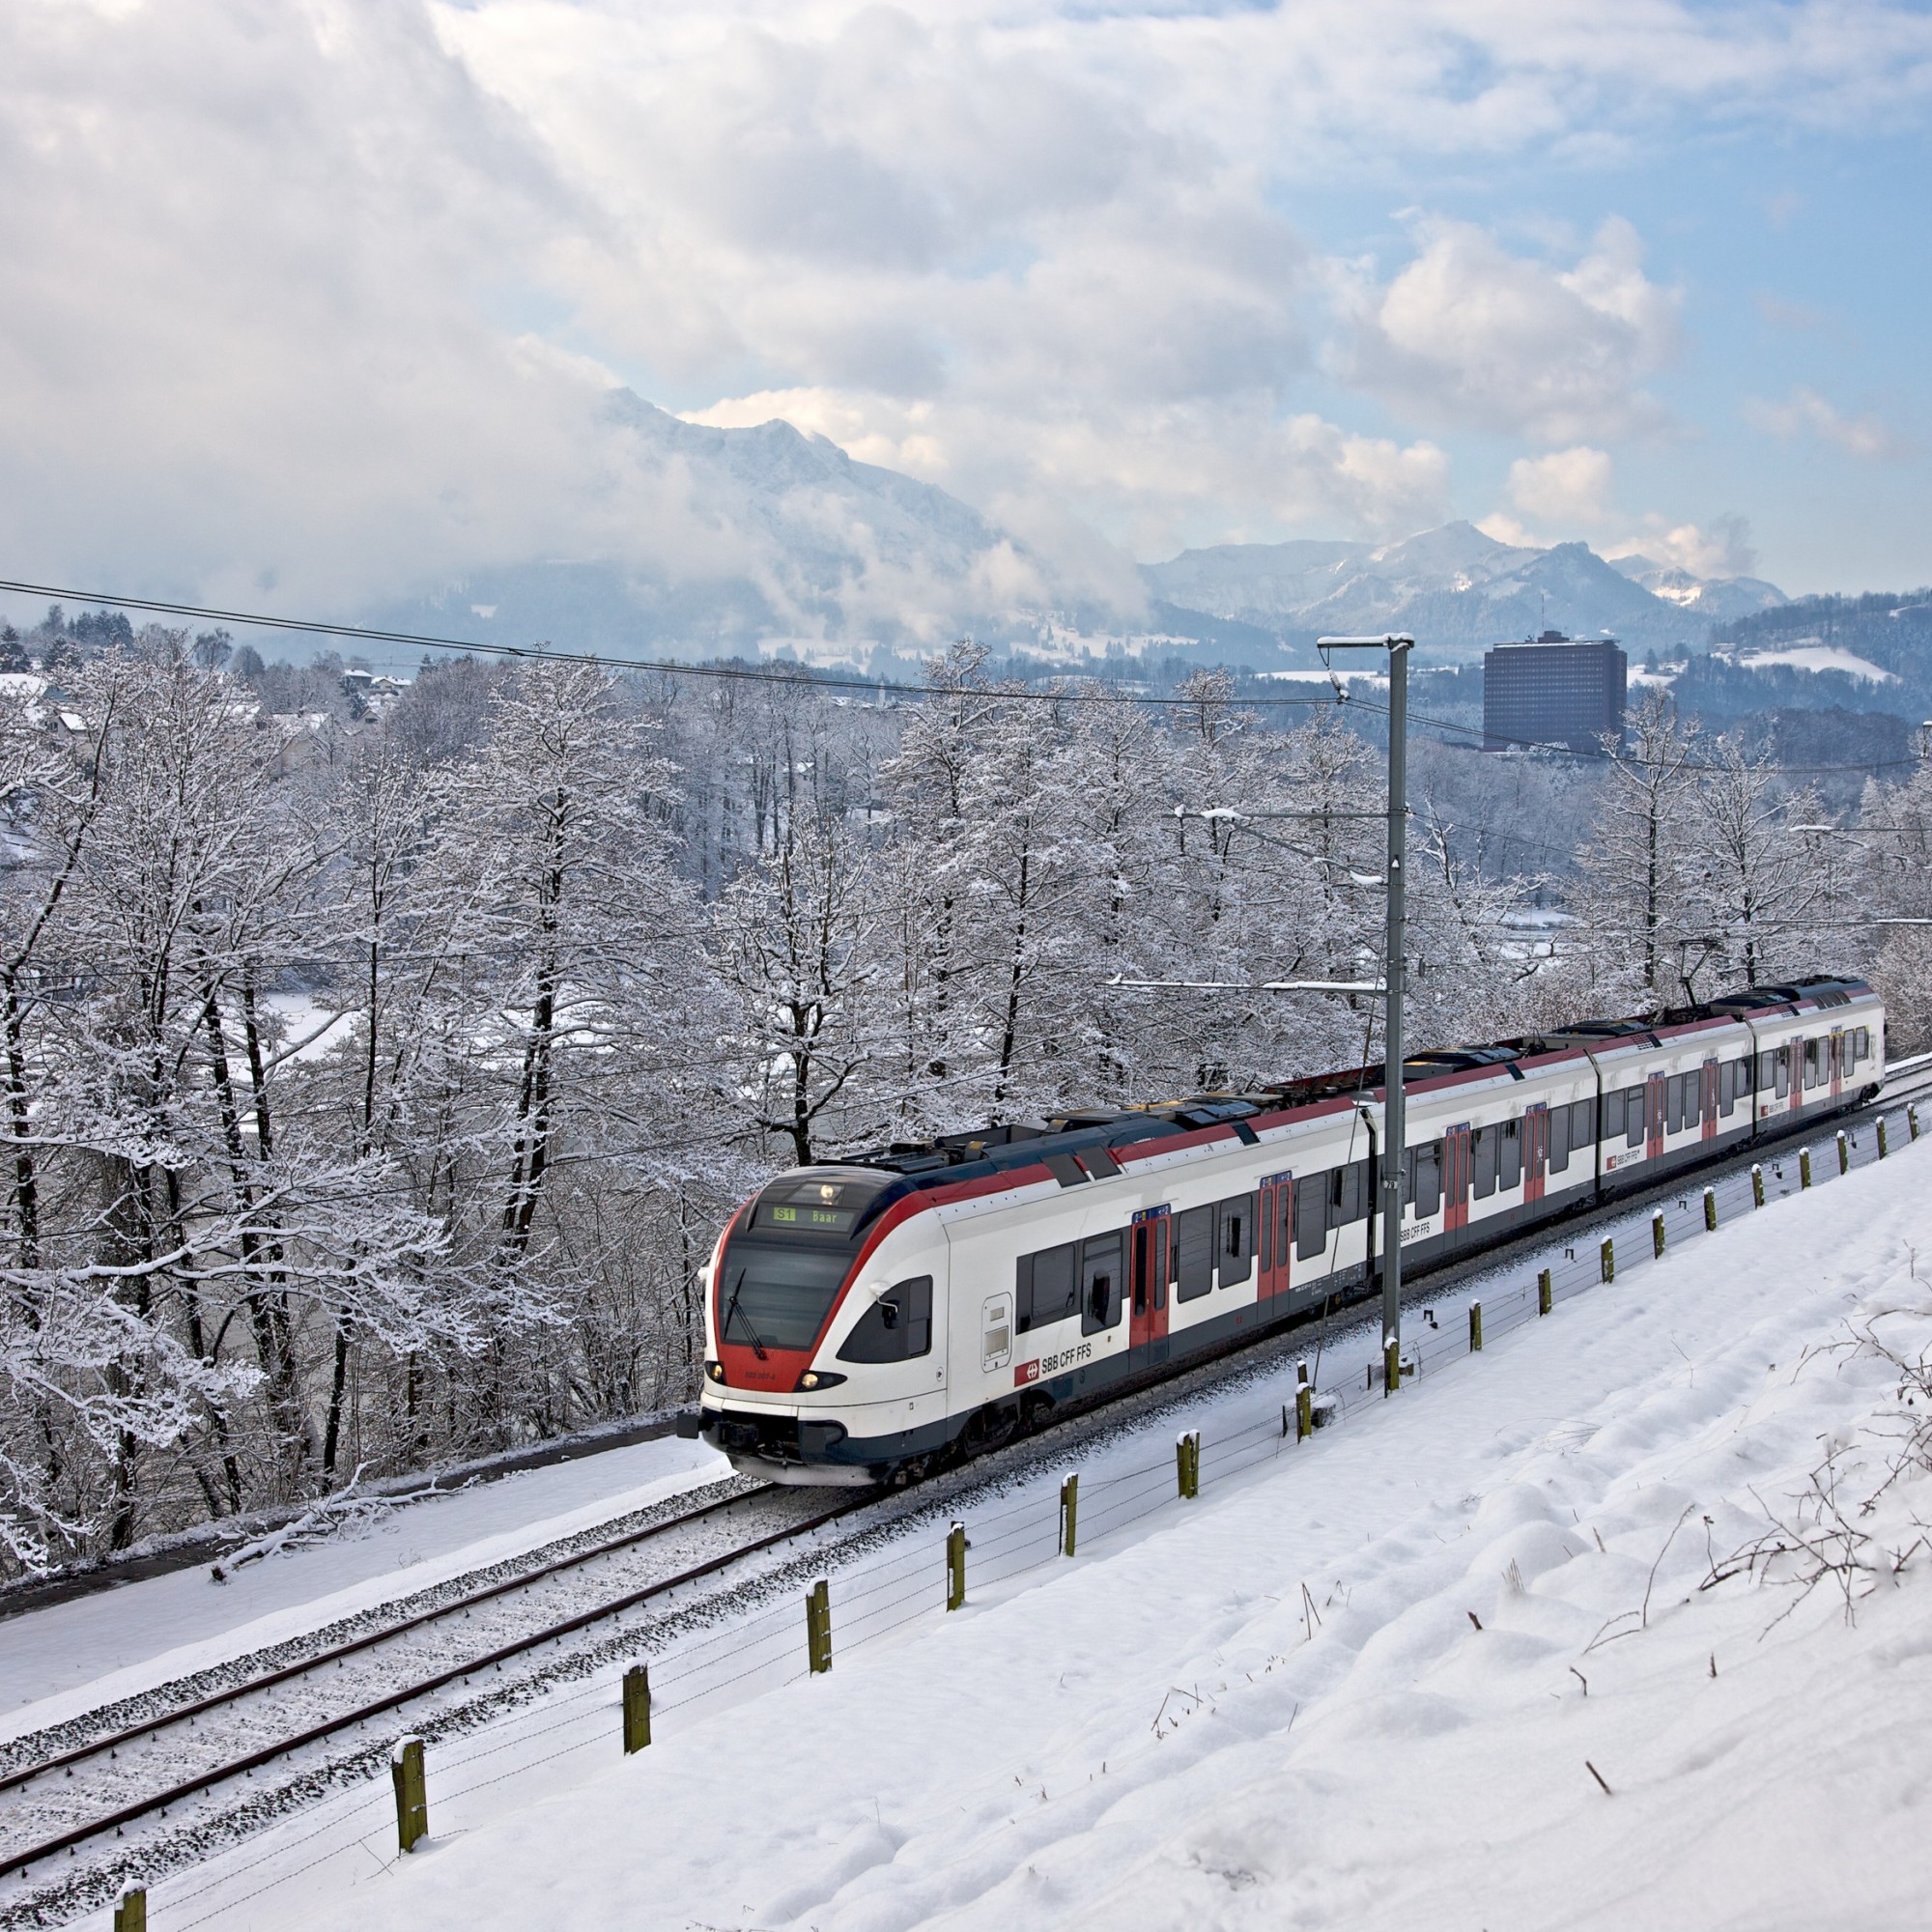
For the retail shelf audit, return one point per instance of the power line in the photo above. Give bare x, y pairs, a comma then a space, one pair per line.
804, 675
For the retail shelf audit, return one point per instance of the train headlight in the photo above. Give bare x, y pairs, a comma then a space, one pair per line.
714, 1372
818, 1378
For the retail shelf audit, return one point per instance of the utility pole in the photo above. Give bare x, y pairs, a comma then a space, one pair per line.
1395, 1125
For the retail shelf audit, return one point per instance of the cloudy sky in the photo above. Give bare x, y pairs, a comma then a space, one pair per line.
309, 298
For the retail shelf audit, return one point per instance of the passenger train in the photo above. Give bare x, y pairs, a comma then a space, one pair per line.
871, 1319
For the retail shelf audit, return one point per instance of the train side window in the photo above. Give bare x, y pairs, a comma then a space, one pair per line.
1613, 1116
1508, 1154
1310, 1216
1045, 1289
1099, 1283
1861, 1045
1673, 1104
1727, 1087
897, 1327
1424, 1177
1782, 1071
1633, 1116
1234, 1238
1484, 1140
1194, 1253
1810, 1062
1583, 1124
1348, 1194
1284, 1214
1559, 1138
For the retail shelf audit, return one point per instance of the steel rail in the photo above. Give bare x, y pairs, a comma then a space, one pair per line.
13, 1780
21, 1862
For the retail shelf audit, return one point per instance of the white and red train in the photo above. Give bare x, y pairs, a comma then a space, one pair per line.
870, 1319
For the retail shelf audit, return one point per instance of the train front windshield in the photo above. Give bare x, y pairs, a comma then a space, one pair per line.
782, 1273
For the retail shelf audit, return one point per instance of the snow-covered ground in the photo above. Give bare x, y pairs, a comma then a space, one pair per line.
91, 1650
1371, 1682
1818, 656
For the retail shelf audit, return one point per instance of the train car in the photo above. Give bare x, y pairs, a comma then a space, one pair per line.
869, 1320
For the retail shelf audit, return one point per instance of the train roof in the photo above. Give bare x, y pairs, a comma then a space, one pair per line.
1075, 1145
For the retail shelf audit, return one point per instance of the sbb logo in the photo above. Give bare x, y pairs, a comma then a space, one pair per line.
1026, 1372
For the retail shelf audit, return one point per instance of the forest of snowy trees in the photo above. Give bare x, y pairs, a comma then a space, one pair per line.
375, 1093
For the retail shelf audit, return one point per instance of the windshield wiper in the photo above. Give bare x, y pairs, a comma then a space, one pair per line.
732, 1312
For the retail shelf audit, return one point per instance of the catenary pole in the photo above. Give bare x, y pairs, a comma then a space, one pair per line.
1395, 1125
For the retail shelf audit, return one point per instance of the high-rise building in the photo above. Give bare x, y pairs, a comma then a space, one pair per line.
1552, 691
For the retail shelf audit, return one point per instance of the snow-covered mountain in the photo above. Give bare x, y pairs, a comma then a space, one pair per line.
704, 539
1717, 600
699, 539
1457, 589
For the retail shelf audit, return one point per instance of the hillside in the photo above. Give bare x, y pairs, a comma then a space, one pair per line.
1591, 1630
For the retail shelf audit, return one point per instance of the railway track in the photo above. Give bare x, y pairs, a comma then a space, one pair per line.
141, 1758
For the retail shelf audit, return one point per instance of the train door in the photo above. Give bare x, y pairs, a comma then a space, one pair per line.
1535, 1151
1146, 1320
1794, 1054
1837, 1063
1708, 1095
1275, 1244
1459, 1169
1656, 1092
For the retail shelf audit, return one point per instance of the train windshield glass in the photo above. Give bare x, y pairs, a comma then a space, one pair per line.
774, 1296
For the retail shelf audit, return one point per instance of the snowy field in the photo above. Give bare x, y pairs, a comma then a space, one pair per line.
1371, 1682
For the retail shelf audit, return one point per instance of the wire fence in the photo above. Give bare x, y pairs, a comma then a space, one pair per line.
699, 1669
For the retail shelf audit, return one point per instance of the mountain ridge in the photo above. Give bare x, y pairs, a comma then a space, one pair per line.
771, 540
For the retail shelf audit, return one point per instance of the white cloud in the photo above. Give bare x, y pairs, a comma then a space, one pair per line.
1723, 548
1806, 411
1569, 487
1470, 335
321, 292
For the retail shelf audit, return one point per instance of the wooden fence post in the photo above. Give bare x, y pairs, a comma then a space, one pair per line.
1608, 1256
1844, 1152
1475, 1327
1391, 1366
406, 1769
1069, 1512
1657, 1232
1304, 1413
818, 1626
955, 1567
1187, 1463
1545, 1293
1757, 1185
1912, 1122
1882, 1148
1804, 1167
131, 1913
1709, 1210
637, 1708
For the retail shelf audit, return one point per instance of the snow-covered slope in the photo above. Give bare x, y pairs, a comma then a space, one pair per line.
742, 538
1457, 589
1593, 1630
1714, 599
